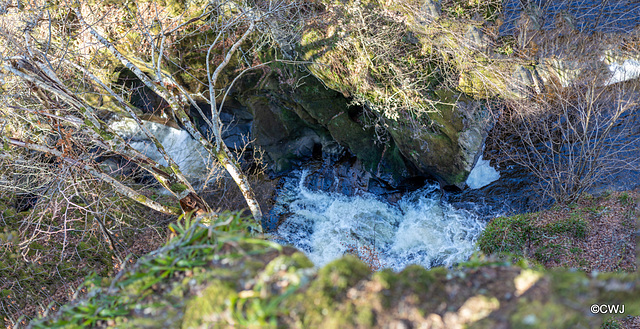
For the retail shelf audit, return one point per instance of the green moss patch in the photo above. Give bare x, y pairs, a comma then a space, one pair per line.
577, 235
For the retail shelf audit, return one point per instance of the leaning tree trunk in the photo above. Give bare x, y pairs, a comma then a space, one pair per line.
31, 71
115, 184
217, 149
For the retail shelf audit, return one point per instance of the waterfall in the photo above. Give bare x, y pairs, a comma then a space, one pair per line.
192, 158
419, 229
628, 70
482, 174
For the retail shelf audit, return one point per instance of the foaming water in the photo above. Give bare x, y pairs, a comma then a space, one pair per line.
194, 161
419, 229
482, 174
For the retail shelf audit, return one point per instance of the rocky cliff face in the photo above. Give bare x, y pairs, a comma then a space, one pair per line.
403, 85
380, 54
377, 89
294, 123
424, 69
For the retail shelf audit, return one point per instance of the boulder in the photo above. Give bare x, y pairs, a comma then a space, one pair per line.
403, 88
293, 125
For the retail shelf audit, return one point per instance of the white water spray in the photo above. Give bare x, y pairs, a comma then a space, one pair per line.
420, 229
628, 70
482, 174
191, 157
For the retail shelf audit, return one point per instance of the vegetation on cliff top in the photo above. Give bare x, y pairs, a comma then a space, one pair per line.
592, 234
411, 79
217, 276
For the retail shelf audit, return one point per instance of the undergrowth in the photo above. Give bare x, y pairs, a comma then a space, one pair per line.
519, 233
187, 258
579, 234
41, 273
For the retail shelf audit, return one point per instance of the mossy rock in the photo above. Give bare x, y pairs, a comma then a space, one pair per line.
289, 121
428, 127
211, 278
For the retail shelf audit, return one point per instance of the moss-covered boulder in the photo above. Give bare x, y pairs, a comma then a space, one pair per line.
217, 276
383, 55
296, 117
394, 57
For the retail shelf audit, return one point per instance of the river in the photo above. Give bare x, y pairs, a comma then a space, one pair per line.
428, 226
420, 228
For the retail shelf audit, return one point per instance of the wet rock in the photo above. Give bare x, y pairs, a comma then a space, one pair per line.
237, 124
346, 177
425, 130
286, 139
141, 96
449, 147
523, 81
294, 125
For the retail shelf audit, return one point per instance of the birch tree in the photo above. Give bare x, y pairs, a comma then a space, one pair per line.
66, 85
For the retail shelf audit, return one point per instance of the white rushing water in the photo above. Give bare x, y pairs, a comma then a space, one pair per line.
420, 229
628, 70
191, 157
482, 174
